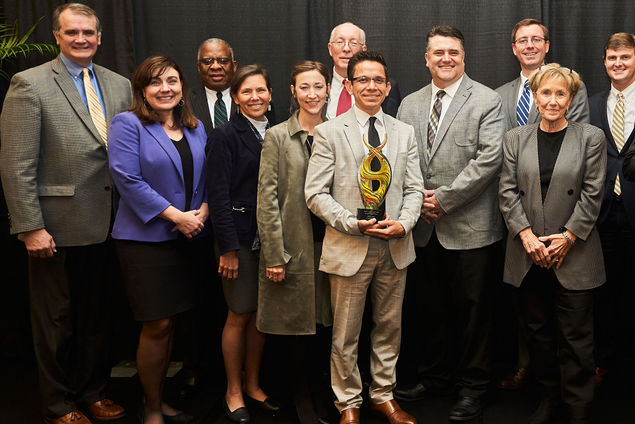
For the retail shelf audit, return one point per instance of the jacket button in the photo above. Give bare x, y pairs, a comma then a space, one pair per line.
570, 192
428, 176
522, 193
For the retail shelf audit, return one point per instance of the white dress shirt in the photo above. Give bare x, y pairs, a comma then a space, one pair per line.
450, 92
337, 85
520, 93
211, 102
363, 122
629, 108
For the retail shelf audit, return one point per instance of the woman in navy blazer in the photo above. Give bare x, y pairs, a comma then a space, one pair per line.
233, 161
157, 161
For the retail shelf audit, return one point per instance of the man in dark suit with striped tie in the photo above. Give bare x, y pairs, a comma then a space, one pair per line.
613, 111
530, 44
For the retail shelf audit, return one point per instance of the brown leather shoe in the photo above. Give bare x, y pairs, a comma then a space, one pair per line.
106, 410
516, 380
393, 412
73, 417
350, 416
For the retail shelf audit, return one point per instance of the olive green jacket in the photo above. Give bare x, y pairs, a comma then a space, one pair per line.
284, 225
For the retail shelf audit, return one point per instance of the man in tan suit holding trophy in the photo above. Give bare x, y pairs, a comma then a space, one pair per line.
366, 150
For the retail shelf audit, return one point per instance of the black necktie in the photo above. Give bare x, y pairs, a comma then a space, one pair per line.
373, 140
220, 111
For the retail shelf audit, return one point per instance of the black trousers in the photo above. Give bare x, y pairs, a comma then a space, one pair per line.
560, 329
614, 313
69, 297
456, 315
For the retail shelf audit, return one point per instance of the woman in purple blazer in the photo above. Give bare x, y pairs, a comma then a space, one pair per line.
157, 161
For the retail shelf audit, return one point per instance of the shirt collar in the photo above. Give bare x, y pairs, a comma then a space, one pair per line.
628, 91
73, 68
362, 117
450, 90
337, 77
212, 93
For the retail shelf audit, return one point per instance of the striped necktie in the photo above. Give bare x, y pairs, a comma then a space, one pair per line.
617, 129
220, 111
433, 123
522, 110
94, 107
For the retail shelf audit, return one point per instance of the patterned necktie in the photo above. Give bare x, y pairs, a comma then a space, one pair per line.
617, 129
344, 102
522, 110
220, 111
94, 107
433, 124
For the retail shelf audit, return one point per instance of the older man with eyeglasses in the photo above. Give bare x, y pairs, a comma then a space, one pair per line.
346, 40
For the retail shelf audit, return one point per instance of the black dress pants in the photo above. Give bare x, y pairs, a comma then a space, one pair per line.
457, 289
69, 298
614, 313
560, 329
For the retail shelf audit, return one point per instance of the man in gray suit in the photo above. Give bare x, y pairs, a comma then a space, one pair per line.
458, 234
54, 167
365, 255
530, 44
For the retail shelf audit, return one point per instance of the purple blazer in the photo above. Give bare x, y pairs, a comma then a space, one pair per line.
146, 169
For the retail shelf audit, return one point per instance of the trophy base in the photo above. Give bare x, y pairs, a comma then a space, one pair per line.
368, 214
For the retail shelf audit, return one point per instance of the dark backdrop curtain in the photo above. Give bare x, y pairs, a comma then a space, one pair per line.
279, 33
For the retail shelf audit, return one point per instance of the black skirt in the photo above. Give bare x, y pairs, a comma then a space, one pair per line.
163, 279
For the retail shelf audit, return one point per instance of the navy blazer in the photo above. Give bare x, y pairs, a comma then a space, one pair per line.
148, 173
614, 164
233, 160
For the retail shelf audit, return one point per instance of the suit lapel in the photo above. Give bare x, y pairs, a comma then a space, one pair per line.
534, 116
512, 102
351, 132
606, 124
393, 140
66, 84
164, 141
425, 114
106, 91
201, 108
197, 152
462, 94
568, 158
535, 194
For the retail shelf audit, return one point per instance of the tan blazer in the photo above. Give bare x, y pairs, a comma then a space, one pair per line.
53, 162
573, 201
332, 191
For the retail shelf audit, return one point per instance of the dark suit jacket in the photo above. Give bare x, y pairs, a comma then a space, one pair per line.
148, 173
54, 163
233, 160
615, 160
198, 100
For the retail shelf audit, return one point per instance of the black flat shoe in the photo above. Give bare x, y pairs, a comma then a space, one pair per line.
240, 415
268, 404
180, 418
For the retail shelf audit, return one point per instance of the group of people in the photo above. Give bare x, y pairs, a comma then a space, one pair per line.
177, 177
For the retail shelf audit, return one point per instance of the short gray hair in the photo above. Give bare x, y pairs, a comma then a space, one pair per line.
362, 34
214, 41
77, 8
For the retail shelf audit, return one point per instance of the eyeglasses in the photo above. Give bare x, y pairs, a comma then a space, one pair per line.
351, 43
366, 80
534, 40
209, 61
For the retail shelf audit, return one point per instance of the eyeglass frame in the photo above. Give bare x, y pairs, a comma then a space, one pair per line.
382, 80
222, 61
351, 43
534, 40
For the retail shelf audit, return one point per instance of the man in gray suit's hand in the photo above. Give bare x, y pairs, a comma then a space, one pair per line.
54, 167
459, 129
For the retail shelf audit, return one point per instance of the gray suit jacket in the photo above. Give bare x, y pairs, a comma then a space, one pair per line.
573, 201
333, 194
464, 164
53, 162
578, 111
